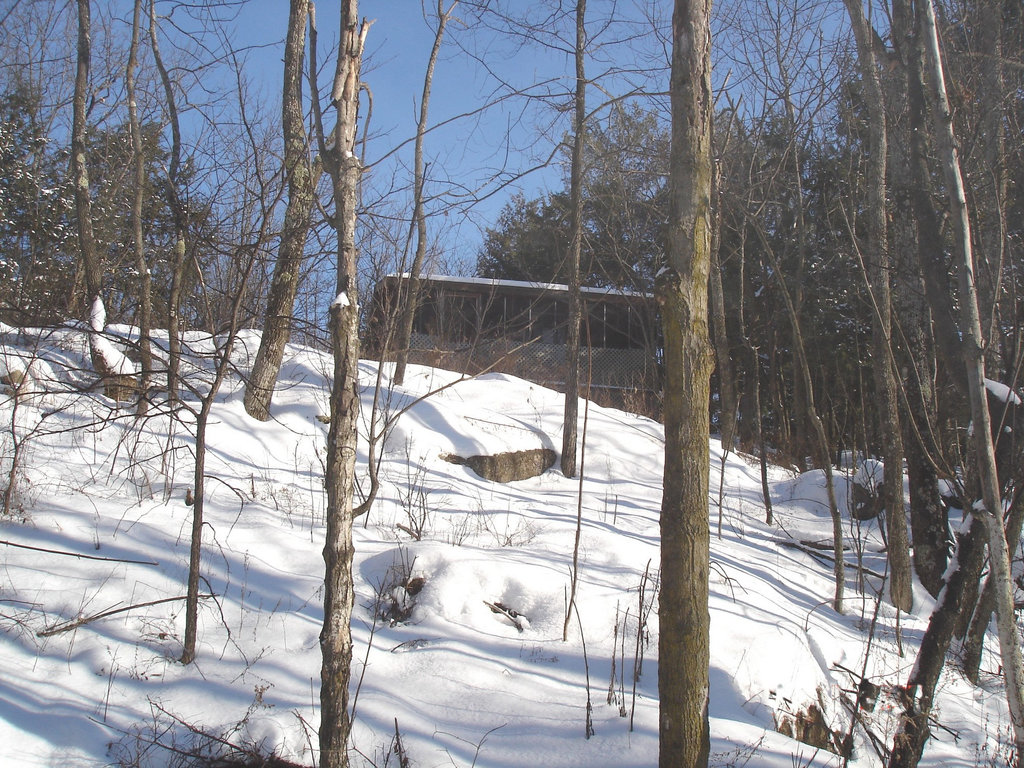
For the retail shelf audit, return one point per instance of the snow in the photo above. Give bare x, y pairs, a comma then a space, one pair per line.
870, 474
341, 300
491, 282
98, 316
115, 360
1002, 392
465, 685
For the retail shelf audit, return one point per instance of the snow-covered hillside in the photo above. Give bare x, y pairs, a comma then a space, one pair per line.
464, 685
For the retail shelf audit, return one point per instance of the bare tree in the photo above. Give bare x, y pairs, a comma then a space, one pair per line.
92, 266
788, 76
138, 191
343, 166
723, 364
820, 443
419, 216
179, 214
249, 194
986, 522
79, 168
927, 318
572, 341
726, 379
682, 290
750, 403
900, 577
990, 508
245, 256
259, 388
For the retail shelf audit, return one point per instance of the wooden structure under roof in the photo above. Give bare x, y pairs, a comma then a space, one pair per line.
474, 324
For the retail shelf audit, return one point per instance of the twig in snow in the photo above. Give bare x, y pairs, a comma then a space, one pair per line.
82, 621
479, 745
78, 554
399, 749
615, 644
586, 668
507, 612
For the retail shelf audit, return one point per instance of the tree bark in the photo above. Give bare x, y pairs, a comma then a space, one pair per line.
900, 577
682, 291
259, 388
931, 246
925, 306
572, 342
974, 641
803, 412
188, 652
928, 517
993, 193
754, 375
344, 168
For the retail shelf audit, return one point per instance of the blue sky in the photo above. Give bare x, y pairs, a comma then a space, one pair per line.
462, 155
474, 163
466, 155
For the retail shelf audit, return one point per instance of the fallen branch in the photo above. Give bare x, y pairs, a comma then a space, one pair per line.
508, 613
820, 545
824, 557
408, 531
78, 554
82, 621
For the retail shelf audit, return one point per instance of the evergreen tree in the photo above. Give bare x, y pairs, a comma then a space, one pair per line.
35, 207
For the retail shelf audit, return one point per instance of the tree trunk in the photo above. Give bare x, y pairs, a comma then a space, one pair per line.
900, 577
179, 215
344, 168
802, 442
920, 291
572, 343
223, 361
419, 218
975, 640
987, 512
762, 448
918, 694
754, 379
259, 388
92, 267
682, 291
931, 247
993, 193
819, 442
990, 507
145, 316
726, 380
928, 517
188, 653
